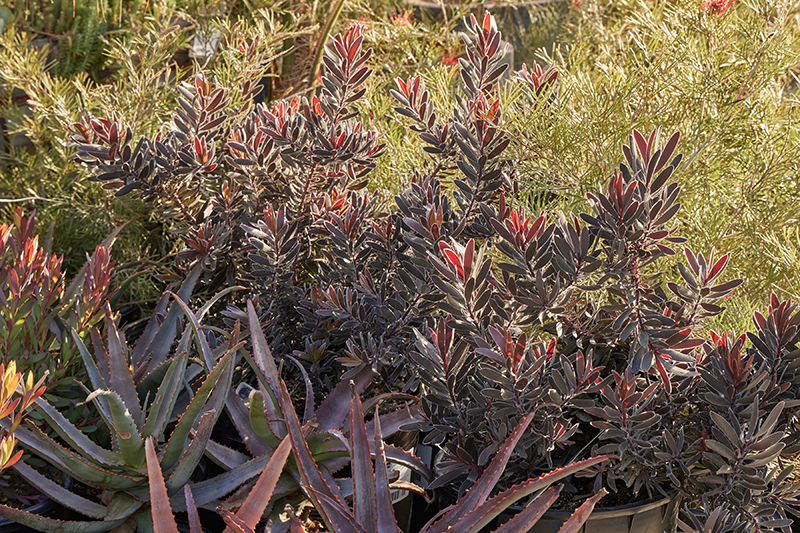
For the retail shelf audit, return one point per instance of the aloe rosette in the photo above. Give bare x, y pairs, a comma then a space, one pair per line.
137, 402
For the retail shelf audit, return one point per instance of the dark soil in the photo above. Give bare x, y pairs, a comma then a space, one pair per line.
583, 488
17, 493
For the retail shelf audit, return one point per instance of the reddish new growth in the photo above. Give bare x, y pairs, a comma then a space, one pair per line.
449, 58
716, 7
403, 18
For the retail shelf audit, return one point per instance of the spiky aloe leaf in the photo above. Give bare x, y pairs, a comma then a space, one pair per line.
262, 355
240, 416
191, 511
100, 354
194, 452
477, 495
118, 366
256, 502
386, 521
266, 370
334, 409
122, 505
364, 503
405, 458
125, 430
394, 421
76, 438
58, 493
202, 342
210, 396
582, 513
338, 514
163, 519
472, 519
33, 443
94, 377
532, 513
225, 457
164, 402
308, 413
259, 422
214, 299
50, 525
149, 333
215, 488
81, 469
235, 524
334, 511
157, 339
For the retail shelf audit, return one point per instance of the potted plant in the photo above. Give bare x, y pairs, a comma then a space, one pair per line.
494, 314
571, 318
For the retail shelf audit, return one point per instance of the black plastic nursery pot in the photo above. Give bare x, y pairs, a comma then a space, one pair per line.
403, 501
652, 516
48, 508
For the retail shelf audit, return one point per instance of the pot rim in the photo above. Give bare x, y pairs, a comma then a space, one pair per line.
620, 510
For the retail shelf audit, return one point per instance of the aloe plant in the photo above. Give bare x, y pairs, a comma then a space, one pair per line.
136, 406
372, 507
262, 424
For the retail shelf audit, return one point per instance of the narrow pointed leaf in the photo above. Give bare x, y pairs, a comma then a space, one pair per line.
217, 385
581, 514
155, 343
94, 375
526, 519
118, 366
256, 502
364, 506
483, 487
333, 410
259, 422
76, 438
191, 511
387, 523
215, 488
164, 402
163, 519
58, 493
202, 342
50, 525
125, 430
193, 454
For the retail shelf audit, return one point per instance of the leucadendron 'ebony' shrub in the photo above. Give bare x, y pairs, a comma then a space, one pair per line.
455, 291
571, 318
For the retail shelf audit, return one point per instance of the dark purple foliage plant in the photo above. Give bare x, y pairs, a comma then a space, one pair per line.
566, 325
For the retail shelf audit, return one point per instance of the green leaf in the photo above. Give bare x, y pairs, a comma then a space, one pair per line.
122, 505
164, 402
194, 452
58, 493
202, 343
259, 422
120, 375
222, 373
76, 438
50, 525
79, 468
125, 431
